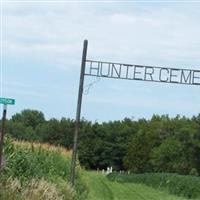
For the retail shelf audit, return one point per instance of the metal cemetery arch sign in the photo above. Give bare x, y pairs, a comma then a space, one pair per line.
128, 72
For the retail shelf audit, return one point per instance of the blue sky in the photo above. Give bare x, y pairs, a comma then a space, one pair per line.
42, 47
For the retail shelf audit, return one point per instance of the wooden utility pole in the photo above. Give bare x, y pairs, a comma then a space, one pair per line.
78, 113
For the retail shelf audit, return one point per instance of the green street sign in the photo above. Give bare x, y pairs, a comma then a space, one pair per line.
6, 101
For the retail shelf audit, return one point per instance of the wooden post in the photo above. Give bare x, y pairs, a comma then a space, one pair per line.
78, 113
2, 134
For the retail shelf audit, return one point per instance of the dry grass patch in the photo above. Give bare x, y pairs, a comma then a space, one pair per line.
35, 190
44, 146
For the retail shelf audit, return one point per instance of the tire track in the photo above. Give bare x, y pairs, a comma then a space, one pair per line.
100, 188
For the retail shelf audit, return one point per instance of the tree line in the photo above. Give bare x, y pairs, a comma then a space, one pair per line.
160, 144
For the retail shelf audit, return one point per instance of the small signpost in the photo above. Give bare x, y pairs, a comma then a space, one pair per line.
5, 102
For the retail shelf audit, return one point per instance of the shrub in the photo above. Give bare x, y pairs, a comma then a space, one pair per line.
194, 172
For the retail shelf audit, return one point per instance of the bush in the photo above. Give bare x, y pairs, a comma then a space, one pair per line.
194, 172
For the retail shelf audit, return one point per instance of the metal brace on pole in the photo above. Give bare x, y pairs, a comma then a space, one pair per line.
78, 113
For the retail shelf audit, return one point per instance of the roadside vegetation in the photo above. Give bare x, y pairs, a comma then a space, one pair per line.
35, 171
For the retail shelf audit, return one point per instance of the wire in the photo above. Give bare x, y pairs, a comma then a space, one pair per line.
87, 87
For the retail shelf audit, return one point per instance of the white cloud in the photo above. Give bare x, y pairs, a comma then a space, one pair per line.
162, 34
52, 34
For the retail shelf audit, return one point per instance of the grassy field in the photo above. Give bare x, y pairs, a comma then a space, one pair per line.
100, 188
37, 171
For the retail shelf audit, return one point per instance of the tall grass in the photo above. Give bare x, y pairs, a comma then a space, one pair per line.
45, 146
33, 166
35, 189
25, 161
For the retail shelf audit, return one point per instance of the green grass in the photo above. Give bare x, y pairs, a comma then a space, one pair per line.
100, 188
180, 185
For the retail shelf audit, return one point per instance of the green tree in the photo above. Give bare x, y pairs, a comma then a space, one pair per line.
167, 156
29, 118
